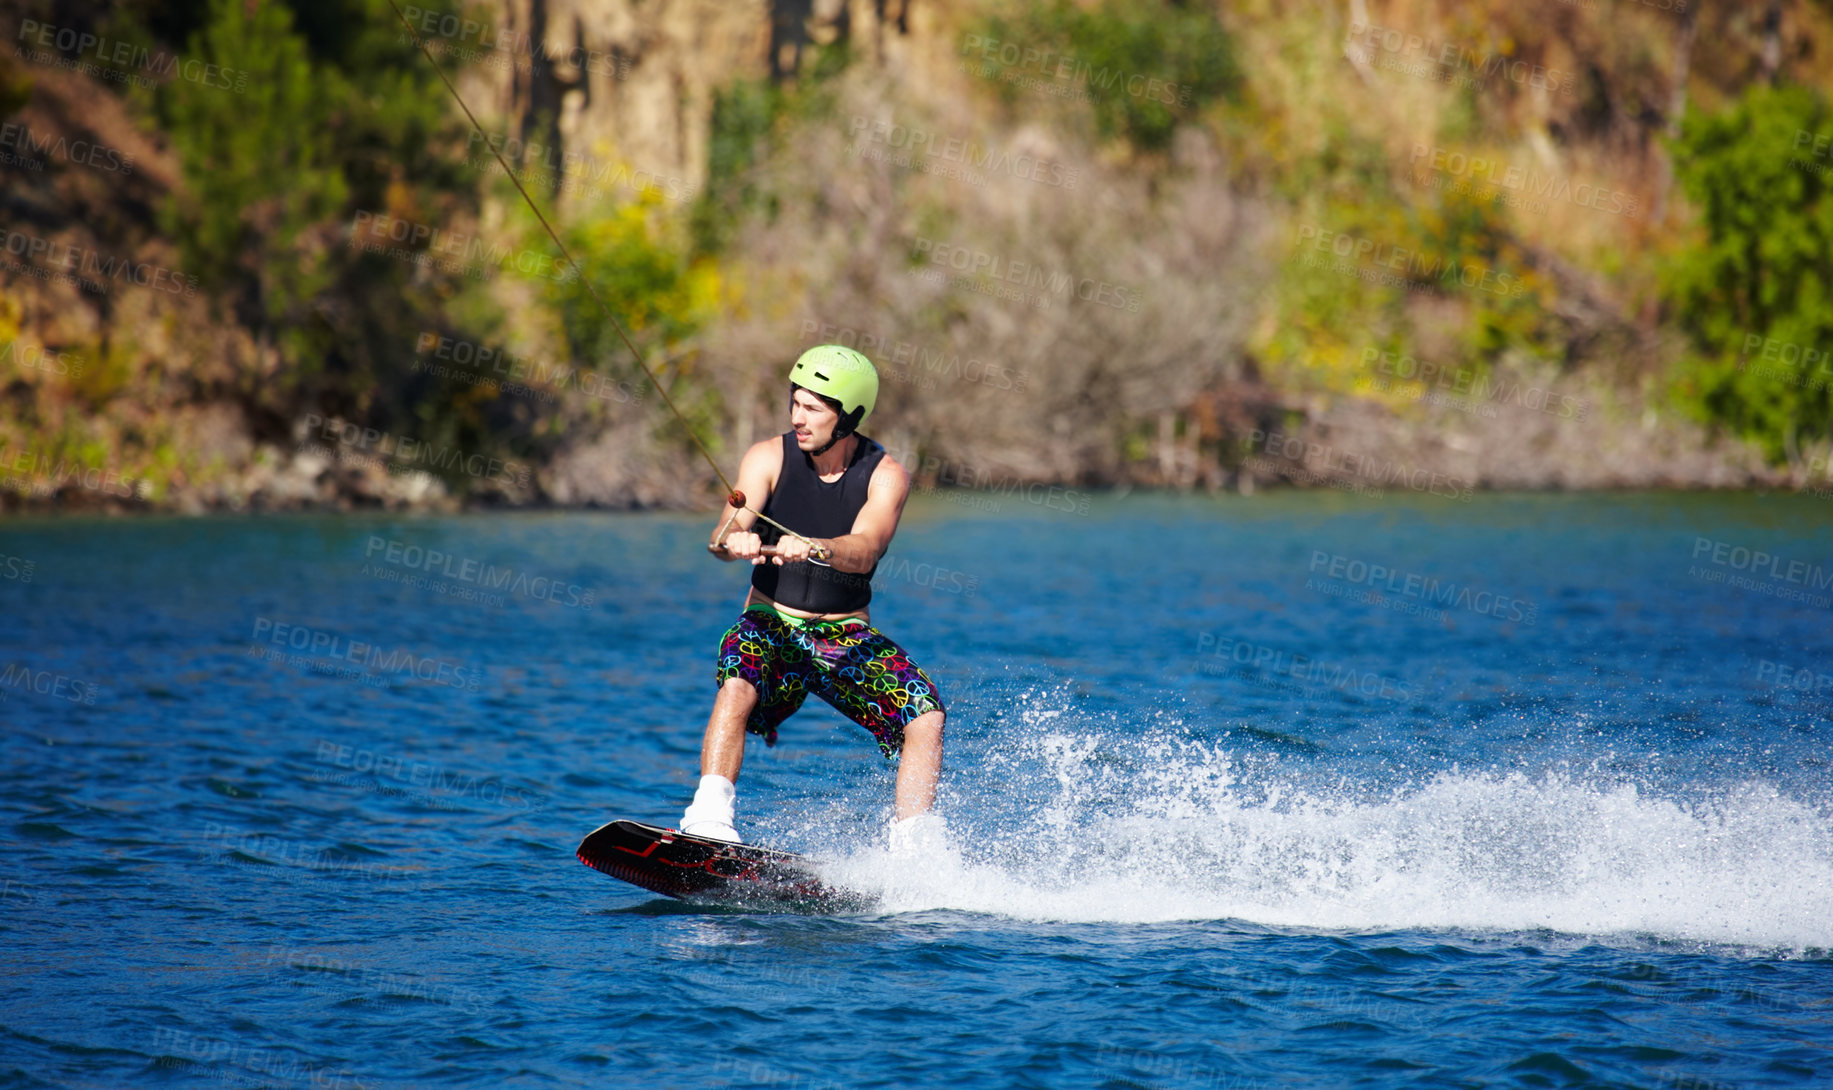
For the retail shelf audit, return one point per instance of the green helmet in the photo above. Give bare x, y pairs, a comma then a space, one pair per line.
842, 376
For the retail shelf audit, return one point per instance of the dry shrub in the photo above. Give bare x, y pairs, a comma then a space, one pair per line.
1163, 259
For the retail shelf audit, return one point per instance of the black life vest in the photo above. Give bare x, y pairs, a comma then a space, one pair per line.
816, 508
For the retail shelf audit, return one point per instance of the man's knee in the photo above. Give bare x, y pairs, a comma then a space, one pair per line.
925, 728
738, 689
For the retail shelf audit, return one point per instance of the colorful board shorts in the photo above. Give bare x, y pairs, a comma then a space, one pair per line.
847, 663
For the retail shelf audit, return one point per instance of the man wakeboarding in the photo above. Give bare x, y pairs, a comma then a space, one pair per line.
805, 626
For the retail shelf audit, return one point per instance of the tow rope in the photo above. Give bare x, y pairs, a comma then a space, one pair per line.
734, 498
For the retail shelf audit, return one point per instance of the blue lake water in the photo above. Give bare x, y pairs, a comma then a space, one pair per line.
1298, 790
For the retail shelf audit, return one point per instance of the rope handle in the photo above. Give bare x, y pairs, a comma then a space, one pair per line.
819, 553
767, 550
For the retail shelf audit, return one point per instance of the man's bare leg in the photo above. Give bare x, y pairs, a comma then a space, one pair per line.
920, 766
722, 753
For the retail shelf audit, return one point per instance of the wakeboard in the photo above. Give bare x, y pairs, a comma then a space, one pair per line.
695, 868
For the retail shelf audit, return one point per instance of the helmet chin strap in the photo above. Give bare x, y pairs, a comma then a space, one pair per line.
838, 435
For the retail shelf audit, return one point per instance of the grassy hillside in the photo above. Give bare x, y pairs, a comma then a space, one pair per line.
1433, 246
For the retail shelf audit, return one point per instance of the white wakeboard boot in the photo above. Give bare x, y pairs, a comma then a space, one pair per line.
924, 834
710, 814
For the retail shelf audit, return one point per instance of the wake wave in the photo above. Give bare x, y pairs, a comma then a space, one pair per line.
1154, 830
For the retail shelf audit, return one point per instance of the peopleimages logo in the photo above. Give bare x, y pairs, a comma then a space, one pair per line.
1275, 662
1469, 383
1443, 594
36, 357
1758, 563
297, 861
1501, 175
76, 45
430, 778
79, 264
451, 251
549, 163
1069, 71
1790, 355
22, 146
17, 568
1443, 60
916, 364
1746, 568
1028, 274
476, 573
1802, 679
967, 153
507, 40
1324, 458
341, 973
530, 375
23, 678
237, 1062
947, 476
1413, 266
322, 647
401, 453
39, 474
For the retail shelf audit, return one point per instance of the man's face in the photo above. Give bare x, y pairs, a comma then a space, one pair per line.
812, 419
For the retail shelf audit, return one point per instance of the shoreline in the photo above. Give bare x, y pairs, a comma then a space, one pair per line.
936, 495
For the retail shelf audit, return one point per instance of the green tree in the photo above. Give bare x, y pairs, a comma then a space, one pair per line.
1755, 292
259, 163
747, 115
1143, 67
744, 115
660, 295
338, 121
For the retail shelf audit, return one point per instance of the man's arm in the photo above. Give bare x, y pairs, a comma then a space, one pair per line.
757, 474
859, 550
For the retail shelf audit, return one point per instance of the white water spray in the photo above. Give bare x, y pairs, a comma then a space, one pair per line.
1156, 829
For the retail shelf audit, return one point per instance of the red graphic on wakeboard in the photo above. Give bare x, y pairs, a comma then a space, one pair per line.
693, 868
